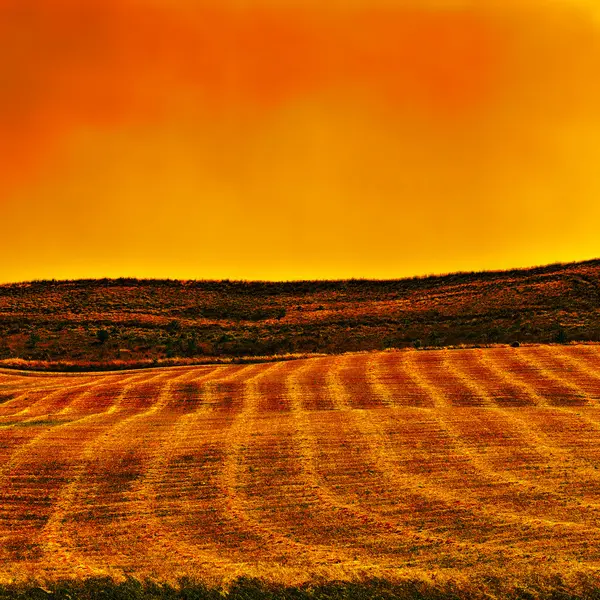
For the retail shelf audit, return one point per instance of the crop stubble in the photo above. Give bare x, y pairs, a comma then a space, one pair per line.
461, 462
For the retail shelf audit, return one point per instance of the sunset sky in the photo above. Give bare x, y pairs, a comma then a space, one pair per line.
296, 139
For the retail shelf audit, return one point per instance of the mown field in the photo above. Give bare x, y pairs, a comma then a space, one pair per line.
447, 465
119, 323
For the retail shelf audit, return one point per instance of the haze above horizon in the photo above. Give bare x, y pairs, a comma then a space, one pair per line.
259, 140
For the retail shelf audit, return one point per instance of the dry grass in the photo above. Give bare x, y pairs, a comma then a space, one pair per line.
128, 323
462, 466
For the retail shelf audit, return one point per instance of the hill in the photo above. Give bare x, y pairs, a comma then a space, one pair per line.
90, 323
472, 466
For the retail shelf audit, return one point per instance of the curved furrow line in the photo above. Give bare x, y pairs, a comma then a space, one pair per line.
411, 367
393, 385
16, 433
37, 432
23, 449
48, 403
22, 404
189, 489
535, 440
99, 398
451, 394
236, 442
562, 392
20, 398
398, 384
92, 391
150, 509
586, 377
56, 541
479, 461
383, 534
538, 358
529, 378
35, 476
413, 489
59, 540
271, 391
246, 461
314, 386
576, 390
565, 410
378, 381
257, 539
317, 513
491, 383
231, 479
291, 493
463, 504
36, 439
551, 456
522, 387
53, 536
588, 353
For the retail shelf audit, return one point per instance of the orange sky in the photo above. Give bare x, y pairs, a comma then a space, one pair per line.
296, 139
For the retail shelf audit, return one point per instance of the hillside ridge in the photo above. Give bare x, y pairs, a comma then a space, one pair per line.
100, 322
426, 278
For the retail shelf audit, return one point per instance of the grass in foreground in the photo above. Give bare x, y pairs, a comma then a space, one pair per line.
255, 589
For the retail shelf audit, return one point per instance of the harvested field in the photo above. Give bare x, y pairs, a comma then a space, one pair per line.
443, 463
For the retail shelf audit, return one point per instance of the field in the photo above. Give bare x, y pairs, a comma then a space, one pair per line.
449, 465
121, 323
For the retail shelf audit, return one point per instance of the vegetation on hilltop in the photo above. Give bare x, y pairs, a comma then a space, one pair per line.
89, 322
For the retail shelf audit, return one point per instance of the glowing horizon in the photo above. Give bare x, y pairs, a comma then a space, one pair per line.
205, 139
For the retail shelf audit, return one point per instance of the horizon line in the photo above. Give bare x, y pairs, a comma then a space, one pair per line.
547, 266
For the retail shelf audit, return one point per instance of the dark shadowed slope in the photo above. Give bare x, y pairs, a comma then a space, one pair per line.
98, 321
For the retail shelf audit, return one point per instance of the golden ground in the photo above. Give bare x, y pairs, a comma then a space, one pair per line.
450, 464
